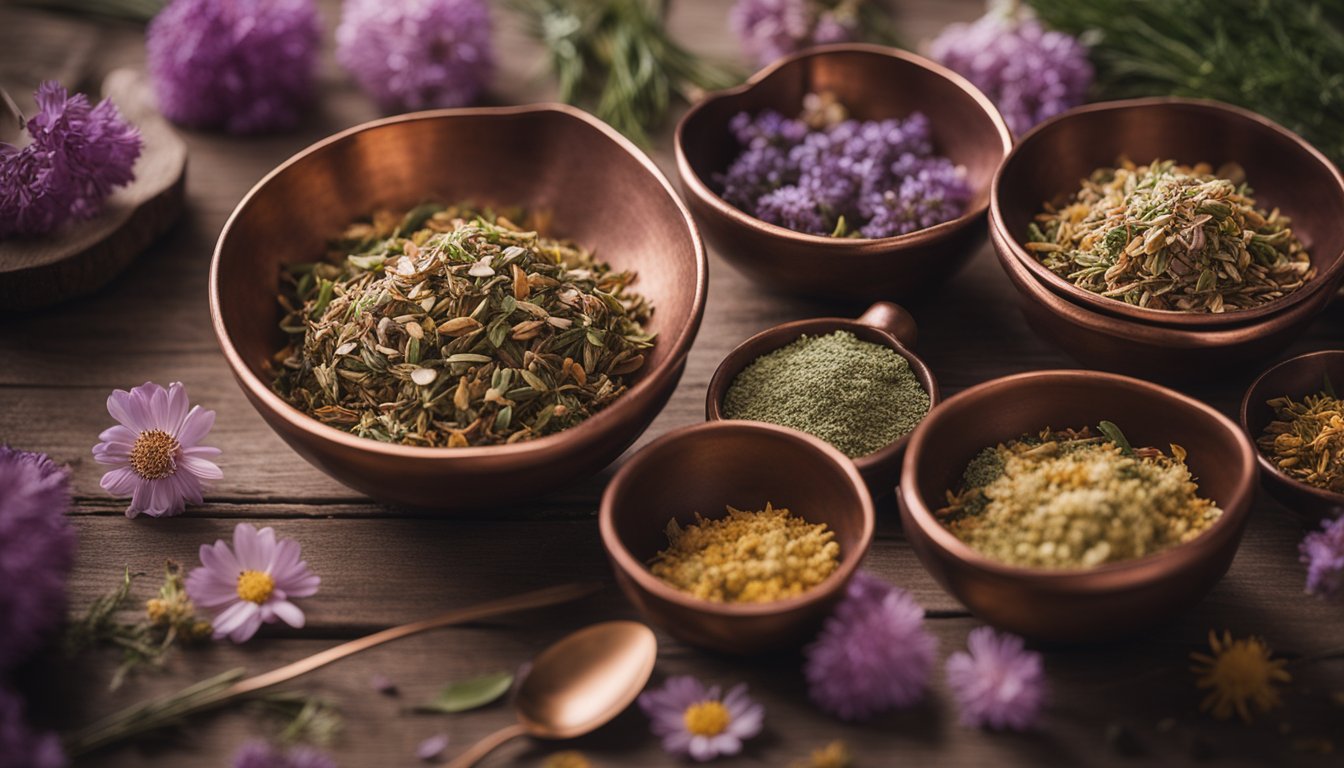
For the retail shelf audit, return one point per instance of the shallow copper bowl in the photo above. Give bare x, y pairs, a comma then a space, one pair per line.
1296, 377
884, 323
874, 83
599, 190
1284, 170
745, 464
1119, 344
1087, 604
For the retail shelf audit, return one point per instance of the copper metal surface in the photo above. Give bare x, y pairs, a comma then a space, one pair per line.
600, 191
1284, 170
1296, 377
702, 468
884, 323
1099, 603
874, 83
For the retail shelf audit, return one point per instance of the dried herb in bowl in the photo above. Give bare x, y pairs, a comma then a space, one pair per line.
444, 326
1171, 237
1306, 439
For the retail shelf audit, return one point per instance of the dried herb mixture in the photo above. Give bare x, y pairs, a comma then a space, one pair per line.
1306, 439
444, 326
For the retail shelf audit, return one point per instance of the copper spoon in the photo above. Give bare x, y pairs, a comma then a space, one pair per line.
577, 685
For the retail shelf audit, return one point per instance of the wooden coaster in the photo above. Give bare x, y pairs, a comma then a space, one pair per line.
82, 256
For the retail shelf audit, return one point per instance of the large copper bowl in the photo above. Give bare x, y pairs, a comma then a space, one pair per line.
874, 83
1285, 171
1085, 604
599, 190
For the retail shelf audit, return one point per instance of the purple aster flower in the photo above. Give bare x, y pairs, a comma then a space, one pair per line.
772, 29
1323, 553
37, 550
694, 720
242, 65
1030, 72
873, 653
260, 754
793, 208
999, 684
76, 156
20, 745
154, 450
415, 54
252, 583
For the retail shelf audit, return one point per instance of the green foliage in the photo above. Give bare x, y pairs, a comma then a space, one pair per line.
470, 694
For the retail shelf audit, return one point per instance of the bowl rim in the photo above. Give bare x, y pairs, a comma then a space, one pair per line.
697, 187
1125, 575
1244, 416
678, 347
631, 567
1170, 317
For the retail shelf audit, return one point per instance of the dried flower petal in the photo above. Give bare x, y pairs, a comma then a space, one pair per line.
429, 749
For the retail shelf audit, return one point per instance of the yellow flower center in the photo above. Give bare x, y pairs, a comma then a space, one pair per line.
255, 586
707, 718
1243, 670
154, 455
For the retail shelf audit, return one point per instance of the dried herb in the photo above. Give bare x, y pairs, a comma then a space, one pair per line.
1172, 237
448, 327
1306, 439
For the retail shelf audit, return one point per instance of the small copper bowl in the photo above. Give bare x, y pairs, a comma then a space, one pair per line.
554, 159
1119, 344
874, 83
884, 323
702, 468
1088, 604
1285, 171
1296, 377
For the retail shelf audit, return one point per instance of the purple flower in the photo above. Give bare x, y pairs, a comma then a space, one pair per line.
793, 208
415, 54
431, 747
242, 65
154, 450
931, 191
998, 684
1323, 553
77, 155
1031, 73
252, 583
873, 654
37, 550
772, 29
694, 720
20, 745
260, 754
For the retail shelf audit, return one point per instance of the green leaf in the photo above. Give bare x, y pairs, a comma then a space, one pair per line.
1113, 433
470, 694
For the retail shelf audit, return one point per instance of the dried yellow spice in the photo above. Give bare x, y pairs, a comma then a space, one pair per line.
1306, 439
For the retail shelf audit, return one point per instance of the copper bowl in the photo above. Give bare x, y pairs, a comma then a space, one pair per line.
702, 468
884, 323
1085, 604
1296, 377
1118, 344
599, 190
1285, 171
874, 83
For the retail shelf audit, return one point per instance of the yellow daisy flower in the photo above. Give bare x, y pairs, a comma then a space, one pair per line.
1238, 674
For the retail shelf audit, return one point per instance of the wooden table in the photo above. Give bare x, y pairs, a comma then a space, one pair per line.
382, 566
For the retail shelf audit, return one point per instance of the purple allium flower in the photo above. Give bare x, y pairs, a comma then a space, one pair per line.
242, 65
694, 720
999, 684
20, 745
37, 550
1030, 72
873, 654
77, 155
415, 54
154, 450
771, 29
1323, 553
431, 747
252, 583
260, 754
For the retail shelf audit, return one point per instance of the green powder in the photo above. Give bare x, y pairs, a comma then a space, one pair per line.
855, 395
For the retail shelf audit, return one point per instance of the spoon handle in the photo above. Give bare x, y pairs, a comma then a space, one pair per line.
487, 745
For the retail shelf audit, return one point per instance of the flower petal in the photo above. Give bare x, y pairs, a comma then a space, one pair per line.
200, 468
195, 426
288, 613
128, 410
233, 617
175, 412
120, 482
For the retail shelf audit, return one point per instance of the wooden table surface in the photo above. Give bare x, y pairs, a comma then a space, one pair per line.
382, 566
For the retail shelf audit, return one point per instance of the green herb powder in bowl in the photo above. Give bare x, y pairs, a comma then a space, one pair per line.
854, 394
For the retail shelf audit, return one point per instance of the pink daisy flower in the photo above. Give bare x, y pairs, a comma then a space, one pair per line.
694, 720
252, 583
154, 450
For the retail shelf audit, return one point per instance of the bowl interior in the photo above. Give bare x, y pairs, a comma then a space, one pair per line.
1295, 378
874, 84
1051, 162
555, 161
